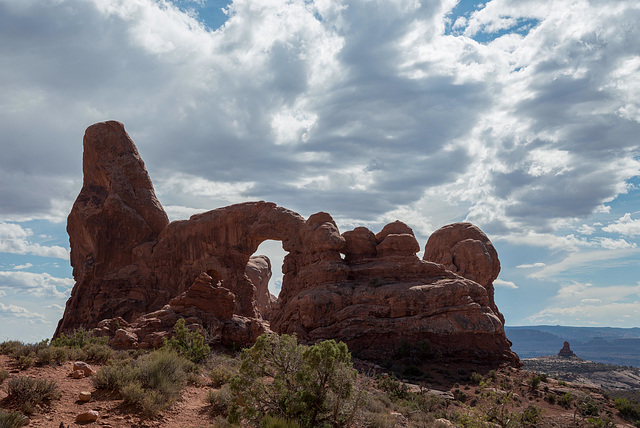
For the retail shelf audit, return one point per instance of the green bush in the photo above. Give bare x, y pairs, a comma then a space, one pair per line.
311, 384
11, 419
7, 347
44, 356
188, 343
395, 389
531, 416
79, 339
4, 375
534, 382
565, 400
152, 382
460, 396
99, 353
476, 378
627, 409
30, 392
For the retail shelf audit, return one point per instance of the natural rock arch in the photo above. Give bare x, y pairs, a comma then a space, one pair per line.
135, 269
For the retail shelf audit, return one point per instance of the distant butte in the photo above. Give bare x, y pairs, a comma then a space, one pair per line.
566, 351
136, 273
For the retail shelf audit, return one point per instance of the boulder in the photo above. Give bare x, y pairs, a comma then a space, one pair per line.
86, 369
87, 417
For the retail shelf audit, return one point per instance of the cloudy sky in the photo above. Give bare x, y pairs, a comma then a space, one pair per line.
520, 116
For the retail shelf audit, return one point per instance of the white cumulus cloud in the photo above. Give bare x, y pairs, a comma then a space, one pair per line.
40, 285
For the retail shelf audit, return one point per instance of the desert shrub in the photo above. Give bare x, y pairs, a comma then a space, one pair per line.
552, 398
8, 347
531, 416
565, 400
79, 338
460, 396
586, 406
393, 387
476, 378
45, 356
11, 419
223, 369
219, 400
222, 422
152, 382
30, 392
493, 375
4, 375
601, 423
26, 361
76, 354
310, 384
380, 420
99, 353
627, 409
60, 354
274, 422
534, 382
187, 343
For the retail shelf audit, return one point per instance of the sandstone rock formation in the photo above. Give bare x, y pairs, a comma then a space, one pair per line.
566, 351
464, 249
258, 271
137, 274
386, 296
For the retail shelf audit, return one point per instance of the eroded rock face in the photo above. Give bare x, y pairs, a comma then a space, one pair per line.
137, 274
258, 271
205, 307
464, 249
390, 296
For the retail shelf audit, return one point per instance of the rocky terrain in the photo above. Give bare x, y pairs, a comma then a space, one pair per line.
578, 370
618, 346
136, 272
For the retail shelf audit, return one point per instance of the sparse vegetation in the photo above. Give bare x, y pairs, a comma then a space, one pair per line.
79, 345
279, 383
565, 400
627, 409
151, 383
29, 393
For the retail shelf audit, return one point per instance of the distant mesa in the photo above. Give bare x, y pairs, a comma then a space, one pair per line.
566, 351
137, 273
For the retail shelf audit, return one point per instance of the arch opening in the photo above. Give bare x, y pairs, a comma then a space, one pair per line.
265, 270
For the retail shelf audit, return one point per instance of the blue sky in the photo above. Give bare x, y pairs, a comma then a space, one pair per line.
519, 116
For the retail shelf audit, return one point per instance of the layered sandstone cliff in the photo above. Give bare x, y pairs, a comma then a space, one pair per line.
136, 273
